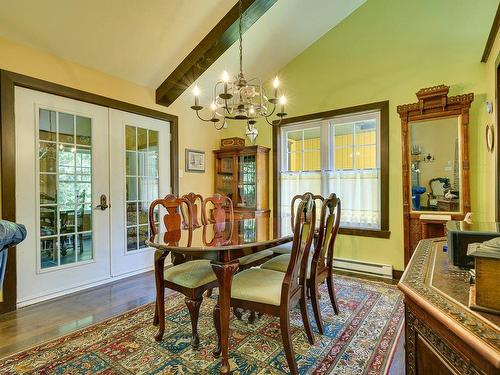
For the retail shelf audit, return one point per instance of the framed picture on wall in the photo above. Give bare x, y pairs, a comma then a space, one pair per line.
195, 161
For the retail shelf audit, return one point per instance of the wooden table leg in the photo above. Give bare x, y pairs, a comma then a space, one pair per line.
224, 273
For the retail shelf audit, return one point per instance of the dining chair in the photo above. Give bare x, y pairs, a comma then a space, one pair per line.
320, 266
276, 293
222, 206
196, 201
286, 248
191, 278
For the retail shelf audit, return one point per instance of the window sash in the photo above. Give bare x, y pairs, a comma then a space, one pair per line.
362, 198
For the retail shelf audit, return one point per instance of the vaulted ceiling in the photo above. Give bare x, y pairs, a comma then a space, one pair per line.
143, 42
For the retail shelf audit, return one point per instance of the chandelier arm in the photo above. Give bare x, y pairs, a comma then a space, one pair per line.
229, 112
270, 123
278, 123
201, 118
272, 112
221, 126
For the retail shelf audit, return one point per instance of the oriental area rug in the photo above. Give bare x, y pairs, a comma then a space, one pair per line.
360, 340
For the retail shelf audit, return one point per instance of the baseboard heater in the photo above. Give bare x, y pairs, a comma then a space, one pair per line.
373, 269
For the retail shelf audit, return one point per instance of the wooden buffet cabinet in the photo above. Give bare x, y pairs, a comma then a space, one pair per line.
242, 173
443, 335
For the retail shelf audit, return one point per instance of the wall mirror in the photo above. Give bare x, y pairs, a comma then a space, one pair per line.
435, 165
434, 136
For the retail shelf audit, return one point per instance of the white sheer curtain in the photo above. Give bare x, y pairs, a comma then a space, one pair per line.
294, 183
359, 191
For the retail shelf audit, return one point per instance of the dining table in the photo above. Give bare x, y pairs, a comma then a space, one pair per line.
223, 243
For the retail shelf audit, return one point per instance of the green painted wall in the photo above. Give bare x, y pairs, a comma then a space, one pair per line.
388, 50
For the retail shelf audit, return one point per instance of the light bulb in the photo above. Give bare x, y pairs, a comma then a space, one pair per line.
196, 90
213, 107
225, 76
251, 111
283, 100
276, 82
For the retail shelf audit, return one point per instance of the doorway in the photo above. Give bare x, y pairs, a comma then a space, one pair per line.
85, 175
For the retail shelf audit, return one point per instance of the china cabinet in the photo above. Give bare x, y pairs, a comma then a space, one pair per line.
242, 173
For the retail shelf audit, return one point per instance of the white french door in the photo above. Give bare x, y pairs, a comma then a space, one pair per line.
140, 170
84, 177
61, 172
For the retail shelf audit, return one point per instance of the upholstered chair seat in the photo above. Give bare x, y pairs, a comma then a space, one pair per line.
258, 285
255, 257
191, 274
285, 248
280, 264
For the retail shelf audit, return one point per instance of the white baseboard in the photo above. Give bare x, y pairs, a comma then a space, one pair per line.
60, 293
367, 268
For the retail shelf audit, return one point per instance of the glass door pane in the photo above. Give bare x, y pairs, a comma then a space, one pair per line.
141, 180
65, 186
247, 181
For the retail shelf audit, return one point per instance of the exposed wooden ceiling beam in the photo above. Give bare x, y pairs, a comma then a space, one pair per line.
491, 38
217, 41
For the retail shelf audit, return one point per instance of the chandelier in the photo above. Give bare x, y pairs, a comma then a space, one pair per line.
241, 99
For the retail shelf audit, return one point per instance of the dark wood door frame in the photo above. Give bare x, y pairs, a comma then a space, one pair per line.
497, 144
491, 37
8, 82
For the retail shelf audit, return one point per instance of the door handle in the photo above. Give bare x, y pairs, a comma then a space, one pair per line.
103, 203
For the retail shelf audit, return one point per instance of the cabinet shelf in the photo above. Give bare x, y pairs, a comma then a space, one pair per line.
242, 173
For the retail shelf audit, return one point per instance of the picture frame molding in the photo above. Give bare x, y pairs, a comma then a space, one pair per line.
186, 163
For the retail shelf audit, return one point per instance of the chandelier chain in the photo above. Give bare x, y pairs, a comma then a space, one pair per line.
240, 99
241, 37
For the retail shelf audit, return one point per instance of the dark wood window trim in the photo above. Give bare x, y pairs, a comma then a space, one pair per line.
497, 143
8, 82
491, 37
383, 107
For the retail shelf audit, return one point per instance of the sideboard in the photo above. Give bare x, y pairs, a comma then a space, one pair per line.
443, 335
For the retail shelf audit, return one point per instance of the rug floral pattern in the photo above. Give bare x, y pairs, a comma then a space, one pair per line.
360, 340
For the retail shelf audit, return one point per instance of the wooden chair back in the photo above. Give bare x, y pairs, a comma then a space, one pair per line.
172, 218
302, 239
196, 201
218, 213
328, 228
298, 198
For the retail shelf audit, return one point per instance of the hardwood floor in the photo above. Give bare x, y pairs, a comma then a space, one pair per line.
36, 324
44, 321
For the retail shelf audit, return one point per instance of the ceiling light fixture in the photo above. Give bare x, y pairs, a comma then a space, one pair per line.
239, 99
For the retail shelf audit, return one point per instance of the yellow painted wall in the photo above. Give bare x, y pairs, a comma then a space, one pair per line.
388, 50
192, 133
488, 181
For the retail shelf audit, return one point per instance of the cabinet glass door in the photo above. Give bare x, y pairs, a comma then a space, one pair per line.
247, 181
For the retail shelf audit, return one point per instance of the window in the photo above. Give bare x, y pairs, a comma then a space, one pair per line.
343, 152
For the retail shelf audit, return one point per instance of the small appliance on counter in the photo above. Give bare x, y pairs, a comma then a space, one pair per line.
484, 293
463, 233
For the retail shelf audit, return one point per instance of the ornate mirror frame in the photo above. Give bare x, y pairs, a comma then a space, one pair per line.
433, 103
